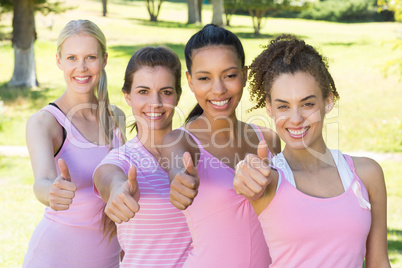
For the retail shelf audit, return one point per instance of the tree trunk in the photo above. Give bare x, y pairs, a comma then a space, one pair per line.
104, 6
24, 36
194, 11
217, 15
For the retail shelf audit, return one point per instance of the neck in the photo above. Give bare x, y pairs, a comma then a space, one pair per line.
78, 105
220, 127
152, 139
309, 158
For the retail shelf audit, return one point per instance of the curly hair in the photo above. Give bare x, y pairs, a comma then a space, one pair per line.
287, 54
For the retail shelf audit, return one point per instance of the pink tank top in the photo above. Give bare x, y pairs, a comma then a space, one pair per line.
223, 225
305, 231
82, 157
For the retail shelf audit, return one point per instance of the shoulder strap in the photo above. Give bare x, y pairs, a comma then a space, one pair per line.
349, 160
194, 138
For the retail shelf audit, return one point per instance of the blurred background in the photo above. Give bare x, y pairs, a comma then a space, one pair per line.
361, 38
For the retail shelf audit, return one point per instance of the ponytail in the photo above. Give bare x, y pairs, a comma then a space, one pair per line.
196, 112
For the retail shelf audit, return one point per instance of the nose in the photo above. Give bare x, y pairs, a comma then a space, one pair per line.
82, 66
155, 101
218, 87
295, 116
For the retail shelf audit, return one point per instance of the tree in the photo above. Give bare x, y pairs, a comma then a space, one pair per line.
392, 5
217, 12
104, 7
194, 11
24, 36
230, 7
257, 10
154, 7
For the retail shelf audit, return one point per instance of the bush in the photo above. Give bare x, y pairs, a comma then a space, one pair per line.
340, 11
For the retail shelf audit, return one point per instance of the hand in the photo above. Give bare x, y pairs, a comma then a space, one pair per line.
252, 174
123, 201
184, 186
62, 191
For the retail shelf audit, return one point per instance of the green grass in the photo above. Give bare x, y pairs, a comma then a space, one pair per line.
368, 117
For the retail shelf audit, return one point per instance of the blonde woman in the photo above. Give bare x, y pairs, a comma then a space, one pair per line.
66, 141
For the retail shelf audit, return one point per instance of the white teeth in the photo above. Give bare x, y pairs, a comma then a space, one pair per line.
220, 103
82, 78
297, 132
153, 114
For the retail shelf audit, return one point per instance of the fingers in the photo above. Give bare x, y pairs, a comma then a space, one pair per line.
64, 169
184, 187
252, 176
132, 179
189, 165
122, 208
61, 194
262, 150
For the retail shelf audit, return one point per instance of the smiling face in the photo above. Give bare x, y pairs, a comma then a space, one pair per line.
81, 61
153, 98
298, 108
217, 80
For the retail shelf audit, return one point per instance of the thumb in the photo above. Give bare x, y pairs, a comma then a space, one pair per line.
189, 165
262, 150
132, 179
64, 169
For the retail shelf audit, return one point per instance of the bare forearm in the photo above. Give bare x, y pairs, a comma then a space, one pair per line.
106, 179
41, 189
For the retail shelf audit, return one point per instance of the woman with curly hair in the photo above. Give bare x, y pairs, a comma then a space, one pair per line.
318, 207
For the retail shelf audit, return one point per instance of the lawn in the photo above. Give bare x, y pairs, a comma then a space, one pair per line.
367, 118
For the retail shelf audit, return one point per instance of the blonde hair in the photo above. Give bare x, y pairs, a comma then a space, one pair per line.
106, 118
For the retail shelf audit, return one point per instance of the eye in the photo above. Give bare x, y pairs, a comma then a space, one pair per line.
309, 104
167, 92
92, 57
203, 78
142, 91
232, 76
71, 57
282, 107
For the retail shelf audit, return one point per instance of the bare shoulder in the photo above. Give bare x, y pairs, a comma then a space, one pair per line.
369, 171
272, 139
179, 138
43, 122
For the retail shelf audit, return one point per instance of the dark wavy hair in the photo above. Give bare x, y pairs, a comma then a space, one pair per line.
287, 54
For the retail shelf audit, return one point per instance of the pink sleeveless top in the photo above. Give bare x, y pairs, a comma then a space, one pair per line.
82, 157
223, 225
305, 231
74, 238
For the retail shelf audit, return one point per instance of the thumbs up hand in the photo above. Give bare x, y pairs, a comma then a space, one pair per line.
184, 186
62, 191
252, 174
123, 201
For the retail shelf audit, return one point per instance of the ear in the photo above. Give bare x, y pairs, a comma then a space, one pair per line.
329, 103
269, 108
190, 81
105, 60
58, 61
127, 97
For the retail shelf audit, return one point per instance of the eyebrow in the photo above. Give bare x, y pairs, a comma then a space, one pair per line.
304, 99
228, 69
162, 88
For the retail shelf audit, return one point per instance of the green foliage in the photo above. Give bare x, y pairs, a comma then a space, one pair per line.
43, 6
392, 5
339, 10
